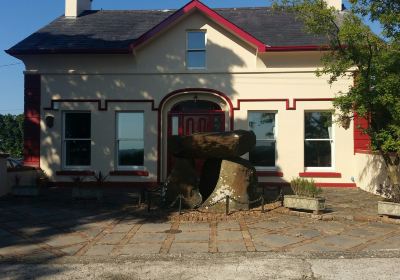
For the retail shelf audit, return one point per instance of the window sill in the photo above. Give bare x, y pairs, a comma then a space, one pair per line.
269, 174
141, 173
321, 174
75, 173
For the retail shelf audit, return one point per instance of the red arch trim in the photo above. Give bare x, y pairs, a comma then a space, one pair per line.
210, 13
181, 91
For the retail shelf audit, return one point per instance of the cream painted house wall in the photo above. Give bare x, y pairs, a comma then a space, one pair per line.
158, 68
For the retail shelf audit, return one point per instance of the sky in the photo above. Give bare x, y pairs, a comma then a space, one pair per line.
20, 18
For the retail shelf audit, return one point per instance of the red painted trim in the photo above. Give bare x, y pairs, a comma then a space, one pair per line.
286, 100
269, 174
321, 174
129, 173
336, 185
108, 184
190, 7
98, 101
32, 96
182, 91
75, 173
296, 48
205, 90
362, 141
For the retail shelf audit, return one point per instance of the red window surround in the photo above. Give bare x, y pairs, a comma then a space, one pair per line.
362, 142
321, 174
32, 89
75, 173
142, 173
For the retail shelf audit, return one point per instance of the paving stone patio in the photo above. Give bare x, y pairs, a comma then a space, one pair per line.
32, 228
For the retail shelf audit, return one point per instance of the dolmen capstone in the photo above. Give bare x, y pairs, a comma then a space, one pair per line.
224, 172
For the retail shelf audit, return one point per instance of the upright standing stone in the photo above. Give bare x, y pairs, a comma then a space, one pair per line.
238, 180
183, 180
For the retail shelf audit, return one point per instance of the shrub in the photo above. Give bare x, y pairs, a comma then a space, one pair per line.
391, 192
305, 187
99, 178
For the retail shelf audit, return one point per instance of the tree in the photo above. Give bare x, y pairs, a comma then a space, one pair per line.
11, 134
374, 61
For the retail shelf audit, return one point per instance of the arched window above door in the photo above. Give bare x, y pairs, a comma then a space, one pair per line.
195, 106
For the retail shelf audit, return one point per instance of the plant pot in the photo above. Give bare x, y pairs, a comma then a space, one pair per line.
87, 193
388, 208
315, 204
25, 191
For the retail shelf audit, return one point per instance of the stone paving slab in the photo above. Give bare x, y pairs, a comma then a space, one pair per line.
192, 236
141, 249
194, 226
100, 250
111, 238
277, 240
226, 247
155, 227
228, 235
189, 247
51, 231
148, 237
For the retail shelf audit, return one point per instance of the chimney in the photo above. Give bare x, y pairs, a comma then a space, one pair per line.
73, 8
337, 4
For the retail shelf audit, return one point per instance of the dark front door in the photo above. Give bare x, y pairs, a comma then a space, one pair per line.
186, 119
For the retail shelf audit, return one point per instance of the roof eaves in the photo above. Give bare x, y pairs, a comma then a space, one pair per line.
195, 4
14, 52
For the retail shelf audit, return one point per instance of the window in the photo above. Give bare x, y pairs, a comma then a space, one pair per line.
196, 50
318, 139
263, 125
130, 140
77, 138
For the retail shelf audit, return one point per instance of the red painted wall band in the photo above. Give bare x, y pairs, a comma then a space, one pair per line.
32, 96
362, 141
321, 174
75, 173
190, 7
142, 173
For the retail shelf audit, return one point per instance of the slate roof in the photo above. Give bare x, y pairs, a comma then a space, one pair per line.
114, 31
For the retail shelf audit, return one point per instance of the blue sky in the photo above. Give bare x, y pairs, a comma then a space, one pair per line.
20, 18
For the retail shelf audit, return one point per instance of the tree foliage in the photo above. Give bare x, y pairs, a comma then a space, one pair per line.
11, 134
373, 60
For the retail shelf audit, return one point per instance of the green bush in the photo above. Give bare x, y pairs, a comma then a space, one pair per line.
305, 187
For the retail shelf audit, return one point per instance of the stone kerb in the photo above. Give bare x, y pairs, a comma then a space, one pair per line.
4, 188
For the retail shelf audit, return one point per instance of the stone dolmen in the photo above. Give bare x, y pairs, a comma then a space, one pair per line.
223, 172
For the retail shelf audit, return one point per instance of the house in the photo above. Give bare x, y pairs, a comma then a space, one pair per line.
104, 89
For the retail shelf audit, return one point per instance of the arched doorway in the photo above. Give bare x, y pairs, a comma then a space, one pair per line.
194, 116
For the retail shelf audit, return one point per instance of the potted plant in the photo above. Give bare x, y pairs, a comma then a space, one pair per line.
391, 206
306, 196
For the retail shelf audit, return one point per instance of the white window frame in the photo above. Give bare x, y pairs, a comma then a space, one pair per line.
266, 168
64, 141
194, 50
331, 140
128, 167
